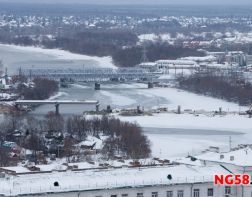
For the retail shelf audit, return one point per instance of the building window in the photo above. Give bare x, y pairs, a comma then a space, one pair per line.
154, 194
124, 195
169, 194
210, 192
227, 190
196, 193
139, 194
180, 193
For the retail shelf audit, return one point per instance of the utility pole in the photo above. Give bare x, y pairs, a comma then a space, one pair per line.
144, 58
230, 143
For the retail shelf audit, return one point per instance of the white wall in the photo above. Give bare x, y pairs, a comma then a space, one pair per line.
132, 192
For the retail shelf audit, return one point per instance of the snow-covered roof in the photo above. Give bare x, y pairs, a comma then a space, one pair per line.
109, 178
16, 169
148, 64
40, 168
176, 62
91, 140
188, 161
216, 65
200, 59
241, 157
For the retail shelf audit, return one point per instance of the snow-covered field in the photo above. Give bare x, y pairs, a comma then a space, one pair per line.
154, 37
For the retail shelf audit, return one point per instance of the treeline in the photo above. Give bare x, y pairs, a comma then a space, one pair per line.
89, 42
154, 51
229, 87
120, 44
123, 138
55, 135
95, 43
40, 89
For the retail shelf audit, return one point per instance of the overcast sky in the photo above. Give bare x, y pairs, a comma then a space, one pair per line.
187, 2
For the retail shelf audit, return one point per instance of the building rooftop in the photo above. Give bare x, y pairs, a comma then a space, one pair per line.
240, 157
200, 59
183, 62
105, 179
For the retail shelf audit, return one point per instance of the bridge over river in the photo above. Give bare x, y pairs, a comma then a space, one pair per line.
90, 74
56, 103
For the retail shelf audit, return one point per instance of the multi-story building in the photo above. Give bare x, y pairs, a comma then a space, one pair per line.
173, 180
185, 177
248, 60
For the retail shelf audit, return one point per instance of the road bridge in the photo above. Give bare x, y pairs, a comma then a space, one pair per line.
56, 103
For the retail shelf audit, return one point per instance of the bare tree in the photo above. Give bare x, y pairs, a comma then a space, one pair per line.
4, 157
34, 142
12, 121
68, 148
54, 122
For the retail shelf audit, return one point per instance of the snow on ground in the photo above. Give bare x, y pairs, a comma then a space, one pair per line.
155, 37
105, 62
147, 37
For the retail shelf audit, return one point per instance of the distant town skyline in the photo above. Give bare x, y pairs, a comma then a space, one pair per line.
147, 2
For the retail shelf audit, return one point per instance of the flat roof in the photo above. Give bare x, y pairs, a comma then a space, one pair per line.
106, 178
241, 157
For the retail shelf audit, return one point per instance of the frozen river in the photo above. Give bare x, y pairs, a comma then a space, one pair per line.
170, 135
117, 95
15, 57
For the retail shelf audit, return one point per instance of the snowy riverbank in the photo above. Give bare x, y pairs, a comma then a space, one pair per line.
26, 55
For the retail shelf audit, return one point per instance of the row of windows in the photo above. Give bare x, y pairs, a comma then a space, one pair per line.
179, 193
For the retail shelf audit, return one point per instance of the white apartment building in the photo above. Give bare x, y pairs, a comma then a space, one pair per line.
153, 181
176, 64
185, 177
